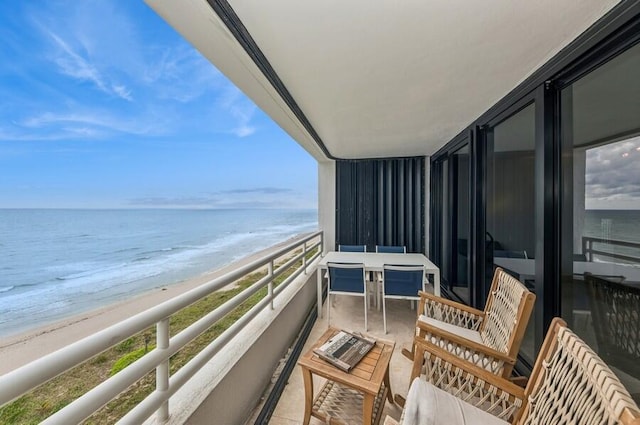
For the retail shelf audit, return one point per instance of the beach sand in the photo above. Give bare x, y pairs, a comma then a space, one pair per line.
20, 349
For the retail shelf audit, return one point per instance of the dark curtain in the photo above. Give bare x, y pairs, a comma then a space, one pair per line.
380, 202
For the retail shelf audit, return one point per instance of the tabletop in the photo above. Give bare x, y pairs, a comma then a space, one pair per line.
366, 376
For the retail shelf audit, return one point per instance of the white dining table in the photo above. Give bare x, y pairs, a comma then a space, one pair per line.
374, 262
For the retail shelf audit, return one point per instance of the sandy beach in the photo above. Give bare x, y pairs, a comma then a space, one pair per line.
20, 349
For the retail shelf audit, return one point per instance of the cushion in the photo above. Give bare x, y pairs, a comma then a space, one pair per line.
457, 330
428, 405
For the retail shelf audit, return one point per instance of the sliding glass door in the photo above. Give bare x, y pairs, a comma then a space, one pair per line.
600, 250
460, 210
510, 203
451, 247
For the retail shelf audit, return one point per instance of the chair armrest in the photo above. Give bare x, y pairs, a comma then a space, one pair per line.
490, 359
450, 311
520, 381
468, 382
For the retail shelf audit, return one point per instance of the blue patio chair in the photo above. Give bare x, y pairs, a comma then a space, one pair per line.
401, 282
391, 249
361, 248
352, 248
386, 249
347, 279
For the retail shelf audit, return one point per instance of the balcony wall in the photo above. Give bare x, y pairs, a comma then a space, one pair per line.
228, 388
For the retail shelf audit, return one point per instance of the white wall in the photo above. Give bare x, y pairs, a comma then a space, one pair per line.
327, 202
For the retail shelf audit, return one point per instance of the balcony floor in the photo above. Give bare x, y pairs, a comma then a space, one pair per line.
348, 313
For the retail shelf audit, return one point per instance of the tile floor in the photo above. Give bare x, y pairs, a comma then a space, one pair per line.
348, 313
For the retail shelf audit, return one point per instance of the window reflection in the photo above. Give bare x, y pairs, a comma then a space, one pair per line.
600, 116
460, 278
510, 222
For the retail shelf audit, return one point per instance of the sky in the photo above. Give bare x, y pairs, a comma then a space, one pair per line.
612, 175
103, 105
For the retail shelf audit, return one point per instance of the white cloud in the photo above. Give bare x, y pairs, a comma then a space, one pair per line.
243, 131
72, 64
260, 197
89, 124
122, 92
241, 110
613, 175
169, 87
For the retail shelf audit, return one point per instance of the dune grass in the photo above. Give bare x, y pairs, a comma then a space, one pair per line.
47, 399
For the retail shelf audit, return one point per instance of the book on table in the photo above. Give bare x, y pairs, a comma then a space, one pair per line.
345, 349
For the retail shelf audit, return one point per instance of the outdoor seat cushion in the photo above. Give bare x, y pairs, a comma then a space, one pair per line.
457, 330
428, 405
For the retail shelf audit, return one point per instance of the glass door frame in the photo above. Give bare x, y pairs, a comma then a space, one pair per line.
449, 207
545, 307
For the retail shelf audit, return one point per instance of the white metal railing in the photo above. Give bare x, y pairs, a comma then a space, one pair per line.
26, 378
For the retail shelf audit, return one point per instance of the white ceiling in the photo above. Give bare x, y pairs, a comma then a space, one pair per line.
384, 78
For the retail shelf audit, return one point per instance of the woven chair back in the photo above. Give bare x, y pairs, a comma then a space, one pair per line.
570, 384
507, 312
616, 321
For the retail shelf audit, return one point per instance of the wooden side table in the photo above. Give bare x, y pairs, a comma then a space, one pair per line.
348, 398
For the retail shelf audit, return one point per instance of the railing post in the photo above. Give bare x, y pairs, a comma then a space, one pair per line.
162, 370
270, 285
304, 257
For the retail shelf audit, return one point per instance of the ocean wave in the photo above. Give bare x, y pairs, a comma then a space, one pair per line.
152, 252
80, 275
123, 250
143, 258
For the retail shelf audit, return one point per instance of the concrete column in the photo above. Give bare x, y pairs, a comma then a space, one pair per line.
327, 202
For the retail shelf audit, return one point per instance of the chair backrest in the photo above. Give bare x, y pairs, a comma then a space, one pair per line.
405, 281
507, 313
352, 248
346, 277
570, 382
392, 249
616, 321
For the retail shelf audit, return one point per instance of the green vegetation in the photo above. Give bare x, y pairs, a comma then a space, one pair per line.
47, 399
127, 359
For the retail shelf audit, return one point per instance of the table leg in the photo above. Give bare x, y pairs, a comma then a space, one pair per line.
387, 382
367, 409
436, 283
308, 395
319, 291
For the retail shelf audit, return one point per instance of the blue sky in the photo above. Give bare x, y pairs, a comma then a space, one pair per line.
103, 105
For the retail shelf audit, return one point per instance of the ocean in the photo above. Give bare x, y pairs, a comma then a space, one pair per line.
55, 263
620, 225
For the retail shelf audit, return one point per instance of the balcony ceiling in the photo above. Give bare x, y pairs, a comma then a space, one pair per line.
383, 78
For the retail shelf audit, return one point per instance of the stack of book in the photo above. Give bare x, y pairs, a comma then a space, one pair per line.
345, 349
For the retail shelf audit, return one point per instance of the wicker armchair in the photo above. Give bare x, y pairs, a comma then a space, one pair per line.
490, 338
569, 384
